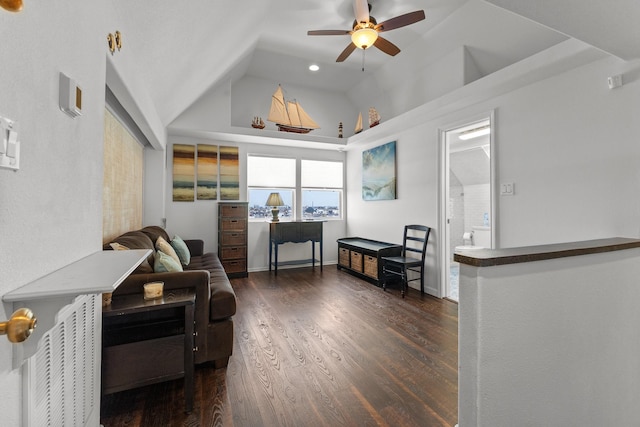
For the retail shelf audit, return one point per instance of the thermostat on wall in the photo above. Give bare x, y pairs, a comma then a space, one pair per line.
70, 96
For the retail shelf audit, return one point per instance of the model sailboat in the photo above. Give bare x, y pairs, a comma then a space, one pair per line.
359, 124
257, 123
289, 115
374, 117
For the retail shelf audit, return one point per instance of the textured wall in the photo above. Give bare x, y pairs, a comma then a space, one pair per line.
123, 174
550, 343
51, 209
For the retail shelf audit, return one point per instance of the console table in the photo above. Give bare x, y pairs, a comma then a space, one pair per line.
294, 232
148, 341
361, 257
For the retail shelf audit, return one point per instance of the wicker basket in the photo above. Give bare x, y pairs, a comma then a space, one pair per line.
371, 266
343, 257
356, 261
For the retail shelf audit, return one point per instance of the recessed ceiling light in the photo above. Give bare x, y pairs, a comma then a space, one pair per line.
313, 67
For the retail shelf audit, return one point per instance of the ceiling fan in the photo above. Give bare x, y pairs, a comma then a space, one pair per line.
366, 31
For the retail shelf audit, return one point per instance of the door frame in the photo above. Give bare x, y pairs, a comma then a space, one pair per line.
443, 192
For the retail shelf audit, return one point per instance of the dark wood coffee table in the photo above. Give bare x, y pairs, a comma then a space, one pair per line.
148, 341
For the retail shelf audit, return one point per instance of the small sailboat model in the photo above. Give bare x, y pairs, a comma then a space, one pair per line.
289, 115
359, 124
257, 123
374, 117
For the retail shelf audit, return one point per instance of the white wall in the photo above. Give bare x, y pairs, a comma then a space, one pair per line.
550, 343
235, 104
395, 89
251, 96
199, 219
51, 209
212, 111
417, 193
567, 142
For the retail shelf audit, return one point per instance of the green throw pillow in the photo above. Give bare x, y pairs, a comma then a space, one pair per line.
164, 263
181, 249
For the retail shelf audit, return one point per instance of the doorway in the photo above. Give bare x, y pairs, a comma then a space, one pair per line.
466, 196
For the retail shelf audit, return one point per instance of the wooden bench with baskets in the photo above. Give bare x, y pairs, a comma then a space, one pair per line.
361, 257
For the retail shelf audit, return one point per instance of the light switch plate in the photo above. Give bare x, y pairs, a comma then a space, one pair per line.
507, 189
9, 144
614, 81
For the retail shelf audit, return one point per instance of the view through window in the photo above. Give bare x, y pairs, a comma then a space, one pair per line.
320, 187
321, 183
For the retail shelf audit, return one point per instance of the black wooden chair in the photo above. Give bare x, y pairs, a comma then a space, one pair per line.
414, 242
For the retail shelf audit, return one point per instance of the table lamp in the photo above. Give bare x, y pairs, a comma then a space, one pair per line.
274, 200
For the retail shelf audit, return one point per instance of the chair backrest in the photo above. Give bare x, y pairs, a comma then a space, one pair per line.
415, 240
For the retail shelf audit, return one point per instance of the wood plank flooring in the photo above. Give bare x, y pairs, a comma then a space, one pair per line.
317, 349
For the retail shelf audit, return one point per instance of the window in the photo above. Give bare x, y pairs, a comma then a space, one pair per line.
266, 175
321, 183
258, 199
319, 192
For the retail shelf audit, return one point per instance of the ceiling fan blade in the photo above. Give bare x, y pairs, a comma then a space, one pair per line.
361, 10
345, 53
401, 21
386, 46
328, 32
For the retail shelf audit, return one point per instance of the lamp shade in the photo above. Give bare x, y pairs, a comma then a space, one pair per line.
364, 37
274, 199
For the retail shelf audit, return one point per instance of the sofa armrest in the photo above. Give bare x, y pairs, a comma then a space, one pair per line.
196, 246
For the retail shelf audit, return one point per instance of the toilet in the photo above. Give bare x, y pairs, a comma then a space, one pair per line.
478, 238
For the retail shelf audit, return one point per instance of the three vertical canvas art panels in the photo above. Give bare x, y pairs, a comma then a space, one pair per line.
378, 172
211, 170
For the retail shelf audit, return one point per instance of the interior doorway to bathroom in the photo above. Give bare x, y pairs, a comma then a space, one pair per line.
466, 197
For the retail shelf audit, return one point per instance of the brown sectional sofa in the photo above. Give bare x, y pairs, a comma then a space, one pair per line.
215, 299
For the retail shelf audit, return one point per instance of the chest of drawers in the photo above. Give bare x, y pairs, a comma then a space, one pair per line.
232, 237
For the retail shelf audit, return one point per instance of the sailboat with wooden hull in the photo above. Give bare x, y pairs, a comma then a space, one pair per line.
289, 115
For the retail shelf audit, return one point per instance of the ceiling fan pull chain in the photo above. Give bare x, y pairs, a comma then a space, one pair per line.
363, 51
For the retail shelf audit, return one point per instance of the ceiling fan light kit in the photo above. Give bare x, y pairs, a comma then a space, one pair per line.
366, 31
364, 38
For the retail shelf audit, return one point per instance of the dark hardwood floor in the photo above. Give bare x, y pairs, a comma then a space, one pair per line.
317, 349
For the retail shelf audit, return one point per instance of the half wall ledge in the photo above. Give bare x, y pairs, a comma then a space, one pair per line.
492, 257
547, 334
47, 296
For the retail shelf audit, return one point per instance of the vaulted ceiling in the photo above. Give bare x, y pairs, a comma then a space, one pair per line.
186, 48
